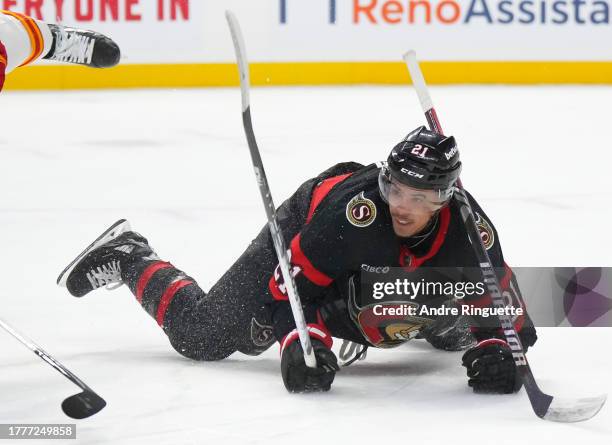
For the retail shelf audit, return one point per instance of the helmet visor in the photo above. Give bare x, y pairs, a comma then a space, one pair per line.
419, 201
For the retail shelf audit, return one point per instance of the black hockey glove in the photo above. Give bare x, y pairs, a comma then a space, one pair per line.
491, 368
300, 378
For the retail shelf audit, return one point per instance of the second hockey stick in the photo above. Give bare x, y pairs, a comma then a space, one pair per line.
544, 405
266, 196
77, 406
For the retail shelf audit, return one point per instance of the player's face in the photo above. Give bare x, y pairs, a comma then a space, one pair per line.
411, 209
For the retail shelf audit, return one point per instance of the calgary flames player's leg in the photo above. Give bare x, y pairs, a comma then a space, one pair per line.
26, 40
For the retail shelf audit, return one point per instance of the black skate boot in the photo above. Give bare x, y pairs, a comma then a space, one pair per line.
100, 264
82, 47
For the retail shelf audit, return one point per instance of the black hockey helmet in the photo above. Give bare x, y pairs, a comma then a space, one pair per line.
423, 160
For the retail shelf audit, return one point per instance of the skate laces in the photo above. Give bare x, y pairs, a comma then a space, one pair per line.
108, 275
73, 47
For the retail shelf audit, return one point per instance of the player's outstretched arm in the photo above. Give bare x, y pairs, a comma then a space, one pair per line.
490, 363
312, 283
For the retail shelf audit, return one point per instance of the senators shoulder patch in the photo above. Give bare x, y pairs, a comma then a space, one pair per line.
361, 211
486, 231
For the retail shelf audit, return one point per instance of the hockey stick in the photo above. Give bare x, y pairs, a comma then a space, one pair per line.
77, 406
264, 189
545, 406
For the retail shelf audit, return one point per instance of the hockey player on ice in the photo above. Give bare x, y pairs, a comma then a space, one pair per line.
24, 40
350, 217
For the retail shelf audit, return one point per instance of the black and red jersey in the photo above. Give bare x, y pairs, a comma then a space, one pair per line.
348, 229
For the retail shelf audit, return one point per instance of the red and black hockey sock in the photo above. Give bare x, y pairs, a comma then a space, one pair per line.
197, 324
155, 284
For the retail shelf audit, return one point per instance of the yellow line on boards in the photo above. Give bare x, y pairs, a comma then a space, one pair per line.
56, 77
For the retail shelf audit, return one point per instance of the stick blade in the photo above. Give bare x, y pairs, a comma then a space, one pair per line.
574, 410
83, 405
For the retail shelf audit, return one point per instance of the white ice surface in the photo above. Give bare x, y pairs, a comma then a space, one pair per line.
175, 163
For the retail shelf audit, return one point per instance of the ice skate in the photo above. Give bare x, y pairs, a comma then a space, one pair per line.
100, 263
83, 47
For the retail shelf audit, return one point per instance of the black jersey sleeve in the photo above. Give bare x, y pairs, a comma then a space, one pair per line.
489, 327
319, 253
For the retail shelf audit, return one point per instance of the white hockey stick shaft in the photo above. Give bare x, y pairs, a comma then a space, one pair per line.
422, 92
266, 196
42, 354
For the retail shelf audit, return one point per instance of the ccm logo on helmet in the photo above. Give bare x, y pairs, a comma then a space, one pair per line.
451, 153
411, 173
361, 211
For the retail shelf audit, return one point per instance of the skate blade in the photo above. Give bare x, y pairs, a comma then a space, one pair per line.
111, 233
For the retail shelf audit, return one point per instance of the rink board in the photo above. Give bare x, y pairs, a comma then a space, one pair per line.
307, 73
186, 43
